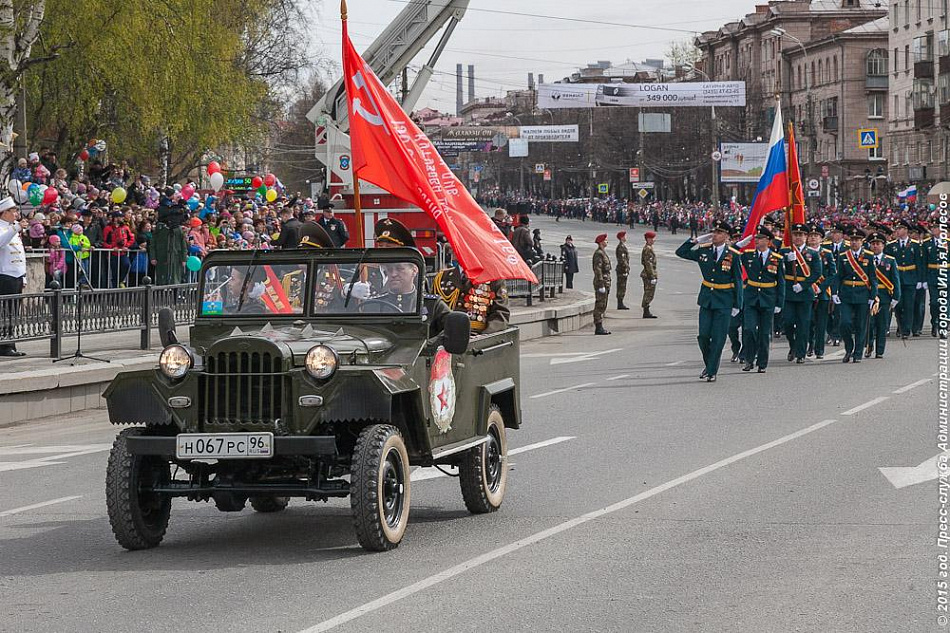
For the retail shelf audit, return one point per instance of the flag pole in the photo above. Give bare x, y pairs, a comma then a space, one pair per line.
357, 202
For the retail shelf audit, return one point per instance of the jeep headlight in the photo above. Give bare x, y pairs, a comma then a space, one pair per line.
175, 361
321, 362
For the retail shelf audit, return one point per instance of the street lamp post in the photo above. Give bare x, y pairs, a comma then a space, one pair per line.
780, 32
521, 159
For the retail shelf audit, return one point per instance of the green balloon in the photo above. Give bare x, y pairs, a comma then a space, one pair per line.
36, 196
262, 190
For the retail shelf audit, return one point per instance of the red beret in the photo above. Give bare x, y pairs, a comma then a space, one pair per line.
621, 234
600, 238
649, 234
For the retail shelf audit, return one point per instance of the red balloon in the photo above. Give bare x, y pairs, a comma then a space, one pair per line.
270, 179
50, 195
84, 155
187, 191
257, 182
213, 167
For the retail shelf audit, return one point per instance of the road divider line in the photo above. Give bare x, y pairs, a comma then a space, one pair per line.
431, 472
487, 557
35, 506
557, 391
913, 385
675, 363
620, 377
866, 405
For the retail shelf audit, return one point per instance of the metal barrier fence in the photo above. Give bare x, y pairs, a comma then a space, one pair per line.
550, 274
57, 314
103, 268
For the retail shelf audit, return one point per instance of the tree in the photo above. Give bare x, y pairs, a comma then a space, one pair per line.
682, 53
292, 153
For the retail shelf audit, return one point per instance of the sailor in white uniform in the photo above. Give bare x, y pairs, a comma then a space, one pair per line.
12, 272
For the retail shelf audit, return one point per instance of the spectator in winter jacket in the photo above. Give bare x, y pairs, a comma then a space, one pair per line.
22, 172
55, 261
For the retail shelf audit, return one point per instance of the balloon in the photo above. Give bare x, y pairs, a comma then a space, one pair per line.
270, 179
271, 195
217, 180
214, 168
50, 195
193, 203
100, 146
14, 186
84, 155
933, 207
187, 191
118, 195
256, 182
19, 196
262, 190
93, 152
177, 187
25, 186
36, 196
193, 264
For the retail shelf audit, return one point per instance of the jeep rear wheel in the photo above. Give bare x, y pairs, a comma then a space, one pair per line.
269, 504
483, 472
379, 487
138, 516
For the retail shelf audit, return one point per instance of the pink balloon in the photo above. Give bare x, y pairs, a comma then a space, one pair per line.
50, 195
187, 191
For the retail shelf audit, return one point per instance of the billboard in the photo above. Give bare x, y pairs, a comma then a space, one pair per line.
743, 162
548, 133
646, 95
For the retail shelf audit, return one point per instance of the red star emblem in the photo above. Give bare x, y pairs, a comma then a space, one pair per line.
443, 398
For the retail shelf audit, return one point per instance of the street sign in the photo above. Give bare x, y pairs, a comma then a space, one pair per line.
814, 194
603, 188
867, 138
539, 168
634, 174
824, 171
813, 183
643, 193
547, 174
644, 185
716, 155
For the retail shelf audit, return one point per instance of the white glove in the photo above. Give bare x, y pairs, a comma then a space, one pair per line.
735, 312
836, 300
601, 291
894, 303
777, 309
705, 237
919, 285
361, 290
744, 242
797, 288
790, 256
870, 303
924, 284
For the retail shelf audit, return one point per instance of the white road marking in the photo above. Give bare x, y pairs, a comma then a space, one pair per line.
557, 391
620, 377
675, 363
60, 453
422, 474
554, 355
866, 405
7, 513
903, 476
487, 557
580, 359
914, 385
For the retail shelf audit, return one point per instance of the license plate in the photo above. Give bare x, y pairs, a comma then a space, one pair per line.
224, 446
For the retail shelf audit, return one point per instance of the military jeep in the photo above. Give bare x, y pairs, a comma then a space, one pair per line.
290, 386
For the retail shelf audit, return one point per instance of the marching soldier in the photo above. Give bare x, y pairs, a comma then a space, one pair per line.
623, 269
888, 294
720, 296
837, 246
932, 254
735, 323
648, 274
855, 291
601, 264
918, 233
763, 294
907, 254
802, 270
822, 306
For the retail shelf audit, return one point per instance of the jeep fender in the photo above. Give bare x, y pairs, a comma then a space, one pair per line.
504, 394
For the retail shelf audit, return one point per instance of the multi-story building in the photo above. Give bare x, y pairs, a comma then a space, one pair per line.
919, 42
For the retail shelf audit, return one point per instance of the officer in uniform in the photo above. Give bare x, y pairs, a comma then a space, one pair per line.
855, 291
762, 295
720, 296
332, 225
907, 254
778, 229
328, 290
918, 233
888, 294
932, 253
601, 265
12, 272
822, 305
623, 269
735, 323
803, 269
837, 245
648, 274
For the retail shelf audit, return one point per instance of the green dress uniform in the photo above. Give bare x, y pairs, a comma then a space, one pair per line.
623, 272
601, 264
888, 289
834, 317
823, 305
719, 294
169, 249
920, 295
907, 254
763, 291
855, 286
485, 304
934, 249
802, 270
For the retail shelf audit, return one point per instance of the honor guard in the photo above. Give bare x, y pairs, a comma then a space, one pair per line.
855, 291
802, 271
907, 254
720, 295
837, 245
934, 249
917, 234
648, 274
601, 266
888, 294
623, 269
821, 308
762, 295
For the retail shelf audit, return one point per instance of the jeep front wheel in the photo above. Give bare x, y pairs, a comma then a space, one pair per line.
379, 487
483, 472
269, 504
139, 517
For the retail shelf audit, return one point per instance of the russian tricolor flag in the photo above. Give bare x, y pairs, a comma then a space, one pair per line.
909, 194
772, 193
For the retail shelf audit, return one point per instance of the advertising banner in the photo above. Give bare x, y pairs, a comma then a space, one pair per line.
548, 133
643, 95
743, 162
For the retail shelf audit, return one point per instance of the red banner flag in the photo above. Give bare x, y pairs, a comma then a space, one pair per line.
794, 214
391, 152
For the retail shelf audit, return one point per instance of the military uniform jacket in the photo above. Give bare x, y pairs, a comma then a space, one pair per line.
623, 260
828, 270
931, 249
485, 304
722, 278
849, 285
908, 258
888, 275
805, 271
765, 283
601, 263
648, 261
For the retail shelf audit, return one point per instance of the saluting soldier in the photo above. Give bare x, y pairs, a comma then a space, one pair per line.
802, 270
821, 308
720, 296
888, 294
601, 264
648, 274
907, 254
932, 254
855, 291
623, 269
762, 295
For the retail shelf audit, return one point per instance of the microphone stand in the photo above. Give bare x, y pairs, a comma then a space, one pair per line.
79, 301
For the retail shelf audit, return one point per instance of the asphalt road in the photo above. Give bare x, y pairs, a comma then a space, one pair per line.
641, 499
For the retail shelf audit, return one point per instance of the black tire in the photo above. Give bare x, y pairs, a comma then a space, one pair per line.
269, 504
483, 472
228, 501
138, 519
379, 488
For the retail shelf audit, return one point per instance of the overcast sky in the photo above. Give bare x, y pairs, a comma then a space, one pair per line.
505, 48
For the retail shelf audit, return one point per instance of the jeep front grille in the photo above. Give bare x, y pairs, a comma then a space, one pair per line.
241, 388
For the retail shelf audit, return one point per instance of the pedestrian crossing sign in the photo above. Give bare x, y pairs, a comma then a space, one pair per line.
867, 138
602, 187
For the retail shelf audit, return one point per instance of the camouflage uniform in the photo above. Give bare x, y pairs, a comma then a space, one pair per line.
648, 275
623, 271
601, 281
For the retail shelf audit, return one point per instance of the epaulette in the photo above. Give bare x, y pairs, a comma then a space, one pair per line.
892, 242
735, 250
886, 256
828, 242
867, 252
915, 241
776, 255
704, 245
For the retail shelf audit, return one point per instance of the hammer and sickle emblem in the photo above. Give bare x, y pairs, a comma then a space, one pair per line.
373, 117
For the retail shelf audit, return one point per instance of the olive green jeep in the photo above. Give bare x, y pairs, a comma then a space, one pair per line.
291, 386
